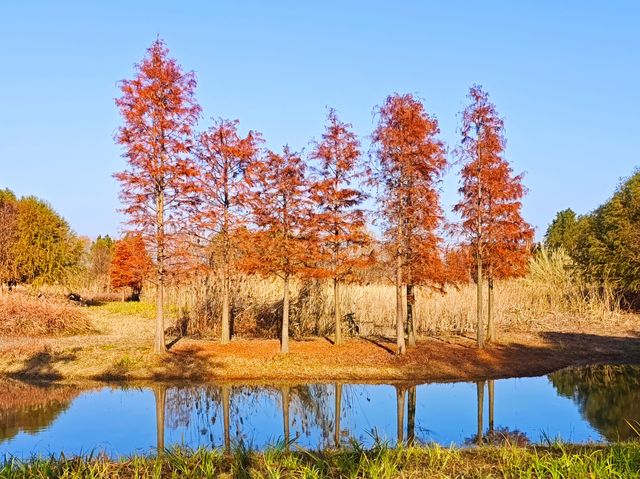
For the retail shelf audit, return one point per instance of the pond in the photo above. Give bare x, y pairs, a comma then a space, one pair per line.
574, 405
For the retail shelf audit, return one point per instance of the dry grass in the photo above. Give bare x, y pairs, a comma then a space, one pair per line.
550, 296
22, 314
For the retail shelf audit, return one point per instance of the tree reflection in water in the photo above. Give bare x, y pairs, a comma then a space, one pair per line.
608, 397
303, 408
31, 408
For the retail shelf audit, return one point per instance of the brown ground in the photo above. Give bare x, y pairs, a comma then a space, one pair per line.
121, 351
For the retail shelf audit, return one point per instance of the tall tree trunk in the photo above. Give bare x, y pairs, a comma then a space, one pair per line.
159, 344
338, 408
284, 335
411, 415
400, 393
479, 318
490, 387
480, 394
411, 299
401, 348
225, 335
284, 392
336, 310
160, 394
490, 324
226, 399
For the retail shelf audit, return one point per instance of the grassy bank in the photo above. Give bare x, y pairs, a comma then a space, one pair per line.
570, 462
119, 348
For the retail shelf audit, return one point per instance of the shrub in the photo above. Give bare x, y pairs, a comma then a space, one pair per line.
22, 314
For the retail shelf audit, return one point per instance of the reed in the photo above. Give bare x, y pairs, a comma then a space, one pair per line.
551, 292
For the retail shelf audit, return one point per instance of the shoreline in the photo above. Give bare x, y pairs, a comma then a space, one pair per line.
443, 359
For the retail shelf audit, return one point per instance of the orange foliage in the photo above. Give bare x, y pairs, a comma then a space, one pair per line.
283, 244
159, 111
130, 264
224, 157
340, 220
491, 195
411, 162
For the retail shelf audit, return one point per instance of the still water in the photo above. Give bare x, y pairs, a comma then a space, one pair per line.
576, 405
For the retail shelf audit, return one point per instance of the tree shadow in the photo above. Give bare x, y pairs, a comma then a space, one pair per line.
379, 341
42, 365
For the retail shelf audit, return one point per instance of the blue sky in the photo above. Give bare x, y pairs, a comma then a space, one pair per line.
565, 76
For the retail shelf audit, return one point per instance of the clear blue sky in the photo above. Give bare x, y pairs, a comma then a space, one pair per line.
565, 75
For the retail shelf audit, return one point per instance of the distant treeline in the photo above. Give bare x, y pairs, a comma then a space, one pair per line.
36, 244
604, 244
38, 247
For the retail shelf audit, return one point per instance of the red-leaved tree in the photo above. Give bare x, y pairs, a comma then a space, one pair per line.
224, 158
159, 111
411, 161
340, 219
282, 214
130, 265
491, 205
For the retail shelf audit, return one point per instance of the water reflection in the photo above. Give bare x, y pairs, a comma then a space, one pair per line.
608, 397
588, 404
29, 408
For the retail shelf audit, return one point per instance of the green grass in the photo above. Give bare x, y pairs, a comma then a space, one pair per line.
136, 308
381, 461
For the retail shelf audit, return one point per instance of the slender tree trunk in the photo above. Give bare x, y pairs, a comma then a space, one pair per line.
400, 394
338, 408
490, 387
491, 331
226, 399
411, 415
160, 394
480, 394
479, 318
336, 310
284, 335
401, 348
285, 415
411, 299
159, 345
225, 335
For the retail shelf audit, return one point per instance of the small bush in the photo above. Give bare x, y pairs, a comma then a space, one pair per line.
24, 315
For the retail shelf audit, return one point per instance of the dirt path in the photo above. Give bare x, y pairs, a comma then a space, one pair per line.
120, 350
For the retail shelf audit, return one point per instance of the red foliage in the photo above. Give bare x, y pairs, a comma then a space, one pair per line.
224, 157
282, 212
490, 208
159, 111
130, 264
340, 221
283, 243
491, 196
411, 161
458, 263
